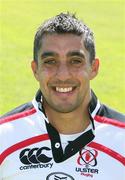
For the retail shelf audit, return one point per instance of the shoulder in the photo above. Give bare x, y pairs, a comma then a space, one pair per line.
110, 116
15, 124
17, 113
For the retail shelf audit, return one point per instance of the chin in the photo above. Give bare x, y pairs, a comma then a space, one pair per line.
64, 109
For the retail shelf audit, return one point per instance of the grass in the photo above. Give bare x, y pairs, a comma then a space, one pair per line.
19, 21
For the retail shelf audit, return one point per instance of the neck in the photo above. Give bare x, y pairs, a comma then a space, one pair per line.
72, 122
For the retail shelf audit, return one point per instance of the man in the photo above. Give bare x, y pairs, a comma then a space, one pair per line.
64, 133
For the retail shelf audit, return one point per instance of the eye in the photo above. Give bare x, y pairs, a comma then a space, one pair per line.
50, 61
76, 61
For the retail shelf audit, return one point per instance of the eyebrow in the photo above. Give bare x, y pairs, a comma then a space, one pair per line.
72, 53
76, 53
48, 53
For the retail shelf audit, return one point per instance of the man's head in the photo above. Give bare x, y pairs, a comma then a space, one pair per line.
64, 63
62, 24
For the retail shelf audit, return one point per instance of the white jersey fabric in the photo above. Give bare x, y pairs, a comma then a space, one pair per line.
31, 149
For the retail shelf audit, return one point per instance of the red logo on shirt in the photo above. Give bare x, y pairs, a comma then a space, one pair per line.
87, 160
87, 157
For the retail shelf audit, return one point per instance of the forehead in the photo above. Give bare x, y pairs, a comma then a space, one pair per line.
62, 43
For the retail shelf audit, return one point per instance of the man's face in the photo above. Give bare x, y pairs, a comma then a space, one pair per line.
64, 71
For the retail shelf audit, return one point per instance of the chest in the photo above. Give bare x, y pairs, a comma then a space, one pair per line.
36, 162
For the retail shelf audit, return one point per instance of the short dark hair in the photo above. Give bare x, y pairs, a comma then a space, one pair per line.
65, 23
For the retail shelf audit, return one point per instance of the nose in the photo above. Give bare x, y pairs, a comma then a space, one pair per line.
63, 72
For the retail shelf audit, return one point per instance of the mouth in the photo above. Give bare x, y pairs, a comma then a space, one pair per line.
64, 90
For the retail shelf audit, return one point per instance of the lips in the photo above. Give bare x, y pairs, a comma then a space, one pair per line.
64, 90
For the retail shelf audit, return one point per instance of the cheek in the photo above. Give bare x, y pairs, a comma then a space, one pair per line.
45, 75
83, 74
84, 79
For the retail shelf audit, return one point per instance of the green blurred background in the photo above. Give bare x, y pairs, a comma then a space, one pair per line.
18, 23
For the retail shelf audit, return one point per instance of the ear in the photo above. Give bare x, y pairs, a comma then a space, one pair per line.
94, 68
34, 67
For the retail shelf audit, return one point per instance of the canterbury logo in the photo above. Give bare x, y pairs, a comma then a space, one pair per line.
35, 155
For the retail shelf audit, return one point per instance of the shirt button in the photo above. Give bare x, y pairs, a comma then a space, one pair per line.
57, 145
